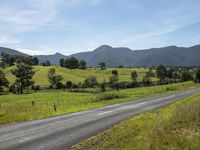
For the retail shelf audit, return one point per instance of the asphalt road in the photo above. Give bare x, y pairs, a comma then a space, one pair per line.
60, 132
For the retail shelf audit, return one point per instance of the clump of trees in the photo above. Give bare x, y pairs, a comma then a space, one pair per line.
102, 65
114, 80
8, 60
46, 63
55, 80
173, 74
91, 81
3, 80
197, 75
134, 78
73, 63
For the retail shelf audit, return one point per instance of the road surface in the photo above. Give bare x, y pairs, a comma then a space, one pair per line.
60, 132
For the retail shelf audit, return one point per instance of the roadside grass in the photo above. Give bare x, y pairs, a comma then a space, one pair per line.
174, 127
78, 75
17, 108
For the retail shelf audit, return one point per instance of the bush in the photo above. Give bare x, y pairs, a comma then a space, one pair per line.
171, 88
69, 84
35, 87
108, 96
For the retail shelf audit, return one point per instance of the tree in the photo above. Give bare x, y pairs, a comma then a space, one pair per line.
7, 59
35, 61
71, 63
114, 72
197, 75
54, 80
102, 65
23, 73
114, 80
134, 76
91, 81
103, 86
161, 73
62, 62
146, 79
3, 80
46, 63
69, 84
120, 66
82, 64
150, 73
186, 76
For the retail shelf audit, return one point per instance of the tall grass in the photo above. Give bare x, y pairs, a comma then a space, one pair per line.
15, 108
174, 127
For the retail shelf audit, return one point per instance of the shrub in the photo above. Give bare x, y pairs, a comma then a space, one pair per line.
108, 96
35, 87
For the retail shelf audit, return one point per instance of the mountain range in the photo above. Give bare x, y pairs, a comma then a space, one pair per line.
114, 57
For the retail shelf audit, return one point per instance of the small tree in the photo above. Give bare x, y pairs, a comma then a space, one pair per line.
102, 65
69, 84
161, 73
35, 61
46, 63
23, 74
114, 81
186, 76
91, 81
146, 80
54, 80
62, 62
3, 80
103, 86
82, 64
197, 75
114, 72
134, 76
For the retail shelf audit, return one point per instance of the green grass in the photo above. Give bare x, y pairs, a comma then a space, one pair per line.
78, 75
174, 127
17, 108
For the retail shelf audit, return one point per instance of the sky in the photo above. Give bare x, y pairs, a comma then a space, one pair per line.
70, 26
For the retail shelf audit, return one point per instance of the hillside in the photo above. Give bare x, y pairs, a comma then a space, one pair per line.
113, 57
11, 51
171, 56
78, 75
54, 59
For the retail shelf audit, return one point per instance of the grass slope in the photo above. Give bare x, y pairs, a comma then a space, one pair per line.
174, 127
78, 75
17, 108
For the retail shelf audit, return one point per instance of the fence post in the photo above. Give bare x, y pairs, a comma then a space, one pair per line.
55, 109
33, 103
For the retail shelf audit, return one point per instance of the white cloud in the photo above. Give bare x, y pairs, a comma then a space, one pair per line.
8, 40
34, 14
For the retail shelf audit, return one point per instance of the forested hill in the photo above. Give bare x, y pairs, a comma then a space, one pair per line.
114, 57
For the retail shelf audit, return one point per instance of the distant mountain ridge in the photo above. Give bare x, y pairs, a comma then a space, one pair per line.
113, 57
171, 56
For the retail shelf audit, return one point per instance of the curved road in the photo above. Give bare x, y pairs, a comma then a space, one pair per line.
60, 132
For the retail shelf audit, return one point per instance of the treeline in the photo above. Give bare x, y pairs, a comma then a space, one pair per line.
24, 73
8, 60
73, 63
166, 75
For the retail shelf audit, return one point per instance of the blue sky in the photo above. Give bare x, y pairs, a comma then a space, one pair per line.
71, 26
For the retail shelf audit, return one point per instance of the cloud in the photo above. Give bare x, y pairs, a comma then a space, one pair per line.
8, 40
27, 14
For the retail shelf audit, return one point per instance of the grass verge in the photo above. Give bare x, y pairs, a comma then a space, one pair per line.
176, 127
17, 108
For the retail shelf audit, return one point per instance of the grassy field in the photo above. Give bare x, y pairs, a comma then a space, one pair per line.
175, 127
78, 75
17, 108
